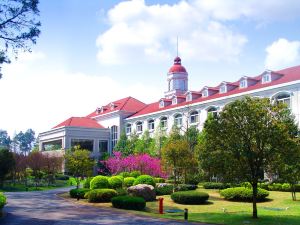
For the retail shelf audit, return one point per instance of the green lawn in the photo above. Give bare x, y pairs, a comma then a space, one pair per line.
279, 210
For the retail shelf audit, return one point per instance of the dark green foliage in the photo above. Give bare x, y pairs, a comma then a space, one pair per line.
78, 192
124, 174
87, 182
7, 163
100, 195
159, 180
135, 174
164, 189
115, 182
215, 185
128, 181
99, 182
128, 202
60, 176
121, 192
144, 179
189, 197
243, 194
186, 187
2, 200
25, 140
4, 139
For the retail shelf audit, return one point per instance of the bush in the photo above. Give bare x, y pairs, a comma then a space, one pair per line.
72, 181
275, 187
263, 186
99, 182
128, 181
243, 194
115, 182
121, 192
189, 197
144, 179
159, 180
215, 185
286, 187
164, 189
80, 192
124, 174
87, 181
128, 202
60, 176
100, 195
186, 187
2, 200
135, 174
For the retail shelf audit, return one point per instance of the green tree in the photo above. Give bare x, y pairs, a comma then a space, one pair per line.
7, 164
4, 139
123, 144
79, 164
25, 140
19, 27
246, 138
145, 144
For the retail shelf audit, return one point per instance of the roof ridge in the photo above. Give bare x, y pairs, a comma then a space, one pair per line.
125, 102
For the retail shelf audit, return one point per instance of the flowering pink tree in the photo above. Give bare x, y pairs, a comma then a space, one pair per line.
142, 162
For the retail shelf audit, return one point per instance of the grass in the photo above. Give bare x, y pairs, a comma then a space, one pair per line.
279, 210
21, 187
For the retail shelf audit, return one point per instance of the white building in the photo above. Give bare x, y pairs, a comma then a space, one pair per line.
100, 130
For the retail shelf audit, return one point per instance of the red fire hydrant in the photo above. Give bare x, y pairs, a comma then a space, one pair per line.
161, 205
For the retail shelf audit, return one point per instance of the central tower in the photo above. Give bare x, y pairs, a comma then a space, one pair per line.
177, 79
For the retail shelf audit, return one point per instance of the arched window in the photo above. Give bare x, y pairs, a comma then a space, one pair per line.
213, 111
128, 128
194, 117
150, 124
164, 122
139, 126
284, 98
114, 136
178, 120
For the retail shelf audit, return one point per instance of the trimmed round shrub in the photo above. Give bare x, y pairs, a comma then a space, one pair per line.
144, 179
115, 182
186, 187
243, 194
128, 181
189, 197
99, 182
286, 187
121, 192
128, 202
215, 185
78, 193
2, 200
164, 189
100, 195
87, 181
159, 180
124, 174
135, 174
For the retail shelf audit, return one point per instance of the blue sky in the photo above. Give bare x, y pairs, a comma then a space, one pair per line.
96, 51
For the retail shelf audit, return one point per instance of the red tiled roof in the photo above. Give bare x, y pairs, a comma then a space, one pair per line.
79, 122
128, 104
289, 74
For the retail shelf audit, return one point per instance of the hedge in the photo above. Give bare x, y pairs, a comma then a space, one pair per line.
135, 174
128, 202
87, 181
80, 192
215, 185
115, 182
189, 197
100, 195
2, 200
128, 181
144, 179
243, 194
164, 189
186, 187
99, 182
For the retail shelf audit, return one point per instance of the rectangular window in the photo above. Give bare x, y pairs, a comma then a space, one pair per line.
151, 125
174, 101
266, 78
83, 144
103, 146
205, 93
194, 118
223, 89
189, 97
139, 127
243, 83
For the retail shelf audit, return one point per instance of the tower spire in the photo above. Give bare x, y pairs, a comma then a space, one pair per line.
177, 47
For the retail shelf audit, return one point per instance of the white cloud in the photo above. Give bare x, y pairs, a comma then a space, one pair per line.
34, 98
282, 53
139, 32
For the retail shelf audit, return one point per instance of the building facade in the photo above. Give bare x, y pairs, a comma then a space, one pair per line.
100, 130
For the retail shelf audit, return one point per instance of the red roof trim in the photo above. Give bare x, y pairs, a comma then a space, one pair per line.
79, 122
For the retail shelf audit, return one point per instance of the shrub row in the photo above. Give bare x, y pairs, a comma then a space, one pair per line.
164, 189
128, 202
186, 187
100, 195
2, 200
78, 193
243, 194
215, 185
189, 197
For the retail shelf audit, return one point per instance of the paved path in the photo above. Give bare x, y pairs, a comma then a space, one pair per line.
45, 208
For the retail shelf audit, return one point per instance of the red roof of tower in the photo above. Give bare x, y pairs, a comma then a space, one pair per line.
177, 67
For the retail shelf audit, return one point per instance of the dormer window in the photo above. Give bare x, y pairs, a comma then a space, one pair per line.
223, 89
98, 110
266, 78
112, 106
174, 101
243, 83
205, 93
189, 97
161, 104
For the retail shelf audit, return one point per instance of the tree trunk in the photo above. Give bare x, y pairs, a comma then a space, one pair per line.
293, 192
254, 192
